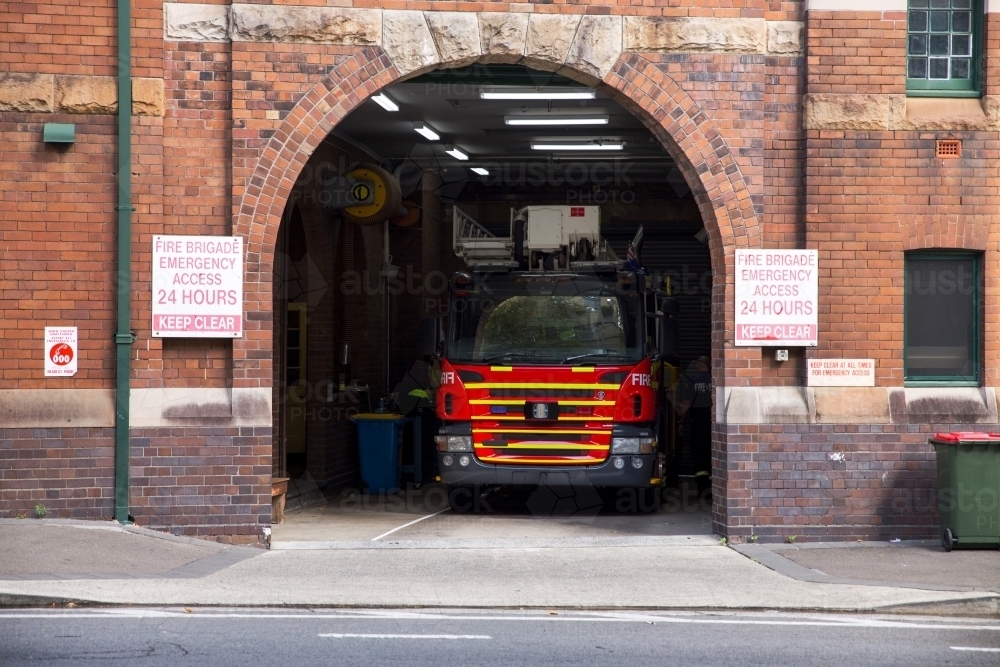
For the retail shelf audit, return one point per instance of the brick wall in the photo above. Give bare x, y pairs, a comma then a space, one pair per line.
68, 471
241, 119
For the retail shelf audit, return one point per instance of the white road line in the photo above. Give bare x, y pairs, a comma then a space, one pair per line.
974, 648
343, 635
409, 524
568, 617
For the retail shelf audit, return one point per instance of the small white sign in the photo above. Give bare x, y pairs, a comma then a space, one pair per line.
777, 297
840, 372
60, 351
197, 287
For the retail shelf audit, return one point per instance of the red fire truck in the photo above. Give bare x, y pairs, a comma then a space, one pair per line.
555, 358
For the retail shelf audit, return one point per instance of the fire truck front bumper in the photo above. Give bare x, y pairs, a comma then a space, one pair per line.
617, 471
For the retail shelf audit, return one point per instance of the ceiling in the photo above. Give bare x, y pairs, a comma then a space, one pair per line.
449, 102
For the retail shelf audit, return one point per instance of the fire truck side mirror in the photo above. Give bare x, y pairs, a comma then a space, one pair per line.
430, 336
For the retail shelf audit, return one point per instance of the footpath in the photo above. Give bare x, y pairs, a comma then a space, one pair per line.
51, 561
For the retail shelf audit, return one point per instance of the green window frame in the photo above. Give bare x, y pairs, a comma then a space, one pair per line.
942, 318
944, 41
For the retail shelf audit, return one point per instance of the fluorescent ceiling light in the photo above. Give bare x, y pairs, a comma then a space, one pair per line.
606, 146
425, 131
555, 120
538, 94
385, 102
456, 153
480, 171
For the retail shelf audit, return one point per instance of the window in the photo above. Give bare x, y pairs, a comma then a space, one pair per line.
941, 318
943, 43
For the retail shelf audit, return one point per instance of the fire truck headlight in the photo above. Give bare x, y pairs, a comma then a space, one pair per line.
624, 445
619, 463
647, 445
454, 443
636, 462
447, 459
463, 460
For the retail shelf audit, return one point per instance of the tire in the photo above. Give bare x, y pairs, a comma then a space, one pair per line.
461, 499
388, 198
948, 540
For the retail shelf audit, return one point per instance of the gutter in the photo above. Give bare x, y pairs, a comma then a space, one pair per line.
124, 337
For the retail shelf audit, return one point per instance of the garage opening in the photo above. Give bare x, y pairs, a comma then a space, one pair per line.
366, 252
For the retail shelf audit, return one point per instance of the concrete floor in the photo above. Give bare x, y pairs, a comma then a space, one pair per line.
423, 514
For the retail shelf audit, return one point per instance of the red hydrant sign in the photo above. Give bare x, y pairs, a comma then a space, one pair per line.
197, 287
777, 297
60, 351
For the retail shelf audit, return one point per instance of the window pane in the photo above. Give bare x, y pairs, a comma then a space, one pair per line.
939, 21
938, 68
940, 317
940, 4
918, 22
961, 45
961, 21
917, 4
917, 68
939, 45
918, 45
961, 4
960, 68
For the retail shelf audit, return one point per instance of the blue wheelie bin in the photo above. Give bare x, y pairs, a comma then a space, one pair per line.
378, 446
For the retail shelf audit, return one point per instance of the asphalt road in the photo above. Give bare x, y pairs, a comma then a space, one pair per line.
266, 637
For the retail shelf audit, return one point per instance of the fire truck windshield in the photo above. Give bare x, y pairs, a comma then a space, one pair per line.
565, 319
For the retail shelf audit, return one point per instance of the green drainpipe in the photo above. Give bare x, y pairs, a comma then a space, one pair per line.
123, 337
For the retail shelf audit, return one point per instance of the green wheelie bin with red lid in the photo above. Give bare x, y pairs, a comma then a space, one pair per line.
968, 465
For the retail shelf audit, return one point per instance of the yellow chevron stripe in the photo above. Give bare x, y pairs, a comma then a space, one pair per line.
557, 431
540, 460
521, 401
521, 418
544, 445
536, 385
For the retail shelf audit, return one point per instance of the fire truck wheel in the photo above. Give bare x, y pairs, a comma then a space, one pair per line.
387, 197
461, 499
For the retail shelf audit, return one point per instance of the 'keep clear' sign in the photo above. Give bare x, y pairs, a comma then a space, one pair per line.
197, 286
777, 294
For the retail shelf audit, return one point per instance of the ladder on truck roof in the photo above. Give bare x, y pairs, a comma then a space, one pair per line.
478, 246
482, 249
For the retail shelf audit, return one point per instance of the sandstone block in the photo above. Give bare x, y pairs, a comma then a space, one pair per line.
196, 23
549, 39
26, 92
785, 37
503, 36
147, 97
834, 111
408, 41
937, 113
645, 33
317, 25
596, 46
86, 94
456, 35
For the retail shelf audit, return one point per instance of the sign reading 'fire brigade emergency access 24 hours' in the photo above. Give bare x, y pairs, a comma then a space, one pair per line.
197, 286
777, 300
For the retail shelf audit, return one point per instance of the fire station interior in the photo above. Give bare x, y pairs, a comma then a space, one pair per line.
352, 286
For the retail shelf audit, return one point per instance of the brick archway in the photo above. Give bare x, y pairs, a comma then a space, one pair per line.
696, 146
668, 111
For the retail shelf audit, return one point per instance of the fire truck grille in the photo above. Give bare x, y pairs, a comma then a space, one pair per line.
544, 437
541, 393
